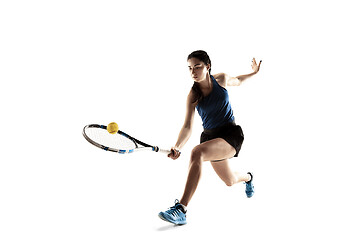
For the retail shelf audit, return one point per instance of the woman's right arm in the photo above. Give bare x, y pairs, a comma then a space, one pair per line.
186, 129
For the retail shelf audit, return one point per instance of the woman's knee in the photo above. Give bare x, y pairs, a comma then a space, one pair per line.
229, 182
197, 155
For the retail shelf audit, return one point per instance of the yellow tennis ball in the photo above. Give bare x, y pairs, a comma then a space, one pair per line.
112, 128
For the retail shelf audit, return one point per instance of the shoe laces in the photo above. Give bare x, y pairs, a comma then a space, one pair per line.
175, 210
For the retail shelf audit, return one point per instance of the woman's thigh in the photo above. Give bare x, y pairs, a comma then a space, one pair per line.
224, 171
215, 149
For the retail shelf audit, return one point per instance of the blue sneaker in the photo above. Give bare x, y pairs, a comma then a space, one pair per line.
249, 190
175, 215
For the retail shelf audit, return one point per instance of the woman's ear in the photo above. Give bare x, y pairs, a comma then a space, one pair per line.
208, 67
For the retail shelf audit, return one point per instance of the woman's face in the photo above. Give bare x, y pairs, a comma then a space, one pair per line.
198, 69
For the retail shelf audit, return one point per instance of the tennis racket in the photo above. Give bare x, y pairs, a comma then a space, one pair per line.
119, 142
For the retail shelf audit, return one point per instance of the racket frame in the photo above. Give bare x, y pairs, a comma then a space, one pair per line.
134, 140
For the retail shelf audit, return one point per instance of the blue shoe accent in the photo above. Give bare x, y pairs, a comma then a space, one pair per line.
176, 214
249, 190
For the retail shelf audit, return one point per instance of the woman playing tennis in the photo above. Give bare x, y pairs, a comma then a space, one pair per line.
221, 138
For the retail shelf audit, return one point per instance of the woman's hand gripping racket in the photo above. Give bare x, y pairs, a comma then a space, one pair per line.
119, 142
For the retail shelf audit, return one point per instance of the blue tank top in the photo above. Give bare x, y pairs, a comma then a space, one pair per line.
215, 109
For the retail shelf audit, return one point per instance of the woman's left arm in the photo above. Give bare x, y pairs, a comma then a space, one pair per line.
236, 81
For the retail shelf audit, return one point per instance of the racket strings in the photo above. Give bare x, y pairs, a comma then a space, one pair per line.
116, 141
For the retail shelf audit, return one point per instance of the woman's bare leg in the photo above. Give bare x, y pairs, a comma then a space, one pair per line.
215, 149
229, 177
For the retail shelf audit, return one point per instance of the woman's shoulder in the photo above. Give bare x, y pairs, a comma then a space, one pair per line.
192, 97
220, 79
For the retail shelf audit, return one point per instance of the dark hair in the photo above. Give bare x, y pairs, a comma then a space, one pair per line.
204, 57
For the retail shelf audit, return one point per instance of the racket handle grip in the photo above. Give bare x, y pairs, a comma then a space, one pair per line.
157, 149
167, 152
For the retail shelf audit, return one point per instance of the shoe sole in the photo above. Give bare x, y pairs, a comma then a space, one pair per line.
162, 218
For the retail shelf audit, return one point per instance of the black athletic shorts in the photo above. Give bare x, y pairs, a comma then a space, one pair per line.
230, 132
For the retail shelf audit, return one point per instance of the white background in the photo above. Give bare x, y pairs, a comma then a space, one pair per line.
65, 64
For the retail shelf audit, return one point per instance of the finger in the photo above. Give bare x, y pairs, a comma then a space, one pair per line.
177, 154
172, 153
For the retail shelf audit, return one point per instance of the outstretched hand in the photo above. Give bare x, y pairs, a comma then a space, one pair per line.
254, 66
